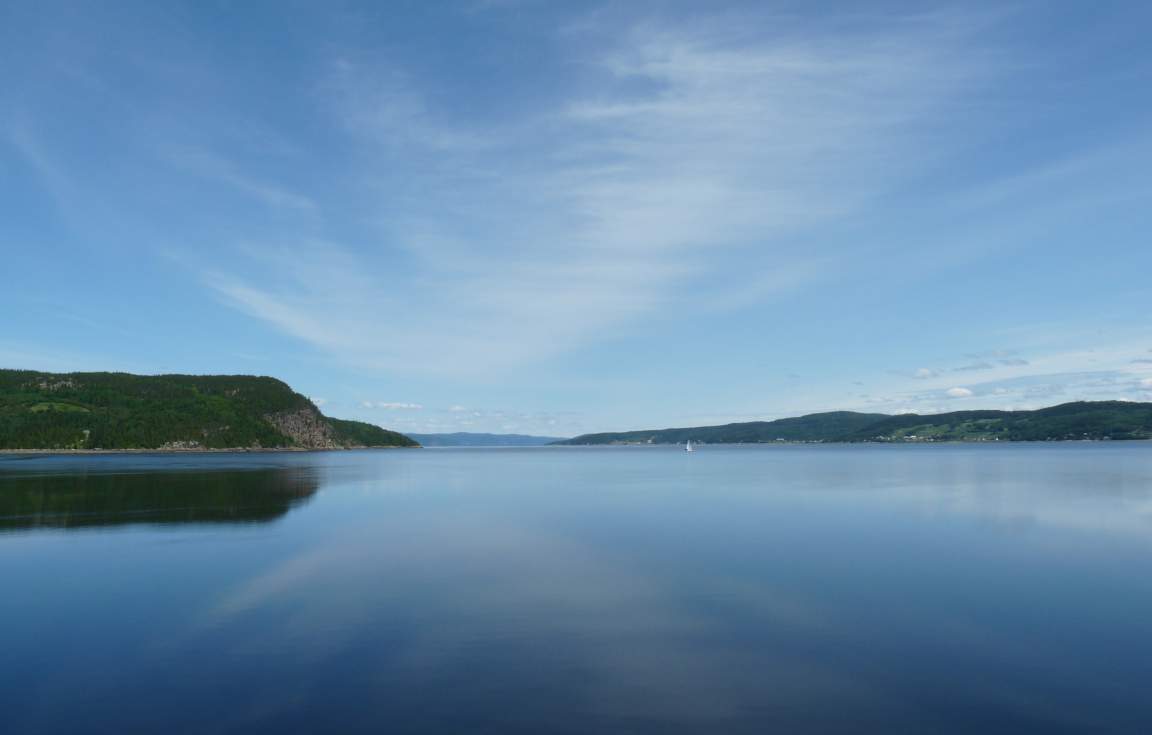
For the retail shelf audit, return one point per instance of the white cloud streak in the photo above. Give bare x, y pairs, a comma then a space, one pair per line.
390, 406
218, 168
546, 232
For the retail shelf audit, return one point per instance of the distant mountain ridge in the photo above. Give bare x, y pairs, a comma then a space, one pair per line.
473, 439
1094, 420
87, 411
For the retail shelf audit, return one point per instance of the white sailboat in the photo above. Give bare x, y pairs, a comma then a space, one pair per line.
688, 446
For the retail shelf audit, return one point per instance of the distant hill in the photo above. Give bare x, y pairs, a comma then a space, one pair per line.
1069, 421
468, 439
123, 411
813, 427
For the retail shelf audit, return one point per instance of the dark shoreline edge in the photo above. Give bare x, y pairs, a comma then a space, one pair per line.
855, 443
1073, 421
219, 450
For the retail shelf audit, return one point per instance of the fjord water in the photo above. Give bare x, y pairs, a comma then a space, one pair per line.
795, 589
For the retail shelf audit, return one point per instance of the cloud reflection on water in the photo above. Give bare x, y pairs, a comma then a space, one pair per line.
479, 585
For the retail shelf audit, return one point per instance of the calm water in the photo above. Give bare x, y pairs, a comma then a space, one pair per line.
810, 589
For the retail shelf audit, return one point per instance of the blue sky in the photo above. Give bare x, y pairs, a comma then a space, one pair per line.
568, 217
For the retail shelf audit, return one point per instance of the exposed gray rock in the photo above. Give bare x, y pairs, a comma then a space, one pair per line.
305, 427
181, 444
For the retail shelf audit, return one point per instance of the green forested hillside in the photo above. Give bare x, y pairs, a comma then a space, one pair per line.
363, 434
123, 411
813, 427
1069, 421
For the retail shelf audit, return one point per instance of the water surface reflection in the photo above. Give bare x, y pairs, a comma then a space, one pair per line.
31, 499
798, 589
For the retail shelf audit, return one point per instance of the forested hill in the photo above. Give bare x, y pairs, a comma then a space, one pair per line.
813, 427
123, 411
1069, 421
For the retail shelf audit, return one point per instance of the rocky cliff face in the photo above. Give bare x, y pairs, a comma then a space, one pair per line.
305, 427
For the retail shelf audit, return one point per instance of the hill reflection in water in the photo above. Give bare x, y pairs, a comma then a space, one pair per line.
799, 589
30, 501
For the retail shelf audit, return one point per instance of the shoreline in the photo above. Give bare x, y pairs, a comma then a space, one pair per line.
919, 442
223, 450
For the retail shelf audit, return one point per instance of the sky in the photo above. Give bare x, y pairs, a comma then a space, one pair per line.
565, 217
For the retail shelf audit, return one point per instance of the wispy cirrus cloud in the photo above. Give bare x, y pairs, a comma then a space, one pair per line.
215, 167
974, 366
392, 406
1096, 373
680, 162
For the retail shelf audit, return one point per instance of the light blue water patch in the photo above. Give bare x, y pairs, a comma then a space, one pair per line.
799, 589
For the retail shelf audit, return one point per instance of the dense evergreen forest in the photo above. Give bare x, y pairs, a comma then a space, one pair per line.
363, 434
123, 411
1082, 420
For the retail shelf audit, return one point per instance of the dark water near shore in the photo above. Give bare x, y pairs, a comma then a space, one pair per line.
796, 589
